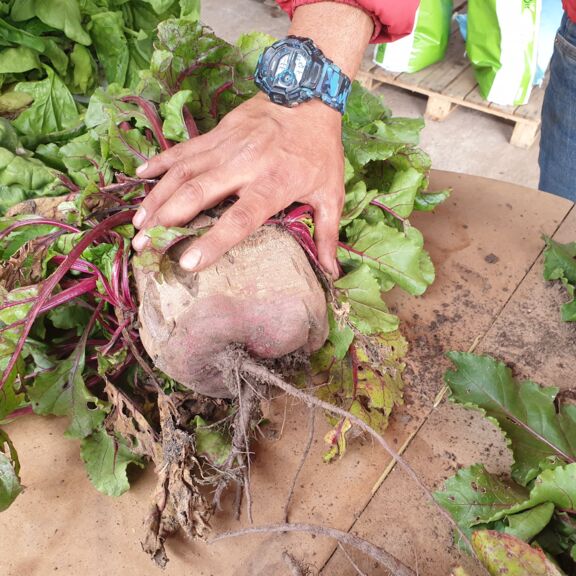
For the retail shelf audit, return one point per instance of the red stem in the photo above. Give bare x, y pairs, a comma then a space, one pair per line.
153, 117
216, 96
190, 123
51, 282
386, 209
36, 222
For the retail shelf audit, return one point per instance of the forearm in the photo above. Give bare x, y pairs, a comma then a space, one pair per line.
341, 31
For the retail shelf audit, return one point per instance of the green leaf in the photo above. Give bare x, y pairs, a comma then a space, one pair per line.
18, 36
62, 392
54, 108
402, 193
364, 107
63, 15
474, 496
113, 56
106, 459
22, 10
340, 334
211, 443
524, 411
18, 60
84, 69
394, 253
11, 243
359, 294
526, 525
174, 127
10, 485
428, 201
57, 56
160, 6
12, 103
190, 9
560, 264
161, 238
356, 200
504, 554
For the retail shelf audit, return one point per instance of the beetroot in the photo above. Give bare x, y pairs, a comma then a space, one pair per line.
263, 296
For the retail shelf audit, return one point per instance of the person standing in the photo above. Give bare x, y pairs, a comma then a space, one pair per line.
558, 140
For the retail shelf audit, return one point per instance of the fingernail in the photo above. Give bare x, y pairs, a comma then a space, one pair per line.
191, 259
139, 217
140, 241
141, 169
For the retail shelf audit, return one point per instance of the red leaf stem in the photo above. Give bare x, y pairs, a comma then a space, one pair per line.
52, 281
153, 117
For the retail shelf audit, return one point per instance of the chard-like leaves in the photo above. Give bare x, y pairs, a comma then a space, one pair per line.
63, 392
524, 411
560, 264
396, 254
53, 110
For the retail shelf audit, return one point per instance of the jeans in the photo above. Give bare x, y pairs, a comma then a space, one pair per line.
558, 140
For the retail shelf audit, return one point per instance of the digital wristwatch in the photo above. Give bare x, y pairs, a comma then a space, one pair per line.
295, 70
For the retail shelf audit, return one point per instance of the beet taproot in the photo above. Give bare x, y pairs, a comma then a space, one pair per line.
263, 295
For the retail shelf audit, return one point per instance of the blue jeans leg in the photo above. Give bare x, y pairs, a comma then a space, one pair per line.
558, 141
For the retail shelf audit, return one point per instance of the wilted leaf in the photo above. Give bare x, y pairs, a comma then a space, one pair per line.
211, 443
504, 554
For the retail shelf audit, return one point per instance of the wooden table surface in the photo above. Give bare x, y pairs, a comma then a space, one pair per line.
486, 244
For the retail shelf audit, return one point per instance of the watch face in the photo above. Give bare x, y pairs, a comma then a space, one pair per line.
285, 72
288, 69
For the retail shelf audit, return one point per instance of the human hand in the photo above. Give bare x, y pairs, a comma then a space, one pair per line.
266, 155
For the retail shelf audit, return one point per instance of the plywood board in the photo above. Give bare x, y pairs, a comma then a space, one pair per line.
529, 335
62, 523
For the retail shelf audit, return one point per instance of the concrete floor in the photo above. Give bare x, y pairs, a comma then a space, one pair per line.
467, 141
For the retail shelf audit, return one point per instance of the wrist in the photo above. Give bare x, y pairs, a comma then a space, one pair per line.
342, 31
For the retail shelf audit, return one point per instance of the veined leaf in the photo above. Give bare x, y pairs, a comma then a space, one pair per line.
359, 293
106, 459
474, 496
395, 254
524, 411
62, 392
54, 108
63, 15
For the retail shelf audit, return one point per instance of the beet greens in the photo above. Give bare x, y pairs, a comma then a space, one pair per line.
69, 343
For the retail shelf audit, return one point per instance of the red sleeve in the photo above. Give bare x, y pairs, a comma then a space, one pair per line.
393, 19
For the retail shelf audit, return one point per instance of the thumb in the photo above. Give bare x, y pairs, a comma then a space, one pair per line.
327, 222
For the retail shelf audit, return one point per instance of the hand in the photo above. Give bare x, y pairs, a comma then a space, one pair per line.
266, 155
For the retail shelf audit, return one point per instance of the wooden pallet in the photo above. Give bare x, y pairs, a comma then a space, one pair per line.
451, 83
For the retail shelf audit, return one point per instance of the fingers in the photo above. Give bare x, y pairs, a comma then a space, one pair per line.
165, 160
236, 224
326, 226
191, 198
181, 172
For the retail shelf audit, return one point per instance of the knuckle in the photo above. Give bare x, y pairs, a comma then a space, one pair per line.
240, 218
193, 192
249, 152
180, 171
